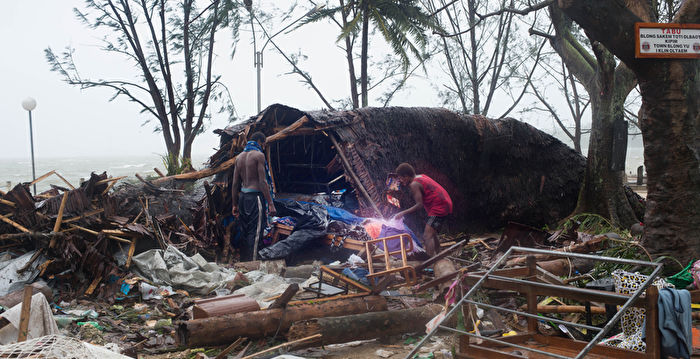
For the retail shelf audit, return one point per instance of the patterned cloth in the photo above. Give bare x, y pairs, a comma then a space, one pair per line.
632, 321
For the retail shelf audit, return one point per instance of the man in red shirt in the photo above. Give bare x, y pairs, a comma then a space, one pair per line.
430, 195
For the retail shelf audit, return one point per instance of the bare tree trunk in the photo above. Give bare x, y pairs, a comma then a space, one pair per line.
602, 191
670, 123
351, 63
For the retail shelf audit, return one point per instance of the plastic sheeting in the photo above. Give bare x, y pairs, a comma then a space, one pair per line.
10, 280
41, 321
172, 267
315, 220
312, 221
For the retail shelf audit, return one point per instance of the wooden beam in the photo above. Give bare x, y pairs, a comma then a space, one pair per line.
229, 348
25, 314
42, 177
293, 342
6, 202
84, 215
198, 174
96, 233
132, 248
351, 171
13, 223
59, 219
283, 299
289, 129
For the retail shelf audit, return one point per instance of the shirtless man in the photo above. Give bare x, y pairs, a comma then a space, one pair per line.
430, 195
252, 192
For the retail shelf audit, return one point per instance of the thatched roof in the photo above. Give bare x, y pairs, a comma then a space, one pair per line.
495, 170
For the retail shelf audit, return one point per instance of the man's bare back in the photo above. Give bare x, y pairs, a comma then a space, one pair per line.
249, 173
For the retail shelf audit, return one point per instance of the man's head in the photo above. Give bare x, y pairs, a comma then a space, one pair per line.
406, 173
258, 137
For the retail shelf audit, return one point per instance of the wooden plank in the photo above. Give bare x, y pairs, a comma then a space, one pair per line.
14, 224
64, 180
531, 295
108, 180
84, 215
59, 219
132, 248
293, 342
439, 256
6, 202
229, 348
653, 336
25, 314
198, 174
93, 285
349, 169
283, 299
42, 177
289, 129
577, 345
345, 279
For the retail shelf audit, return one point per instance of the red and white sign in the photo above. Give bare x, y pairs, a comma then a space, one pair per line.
667, 40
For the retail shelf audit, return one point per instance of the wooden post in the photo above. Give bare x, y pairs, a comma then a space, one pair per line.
132, 248
531, 294
653, 339
59, 219
25, 313
355, 179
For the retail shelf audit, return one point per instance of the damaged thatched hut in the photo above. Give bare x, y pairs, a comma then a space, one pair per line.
495, 170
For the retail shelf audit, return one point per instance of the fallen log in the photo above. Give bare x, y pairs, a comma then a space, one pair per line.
223, 329
348, 328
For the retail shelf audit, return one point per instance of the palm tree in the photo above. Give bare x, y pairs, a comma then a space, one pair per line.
402, 23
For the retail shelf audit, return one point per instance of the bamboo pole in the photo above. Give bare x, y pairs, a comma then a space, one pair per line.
96, 233
355, 179
13, 223
84, 215
9, 203
108, 180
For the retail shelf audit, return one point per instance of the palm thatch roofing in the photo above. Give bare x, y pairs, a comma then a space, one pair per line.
495, 170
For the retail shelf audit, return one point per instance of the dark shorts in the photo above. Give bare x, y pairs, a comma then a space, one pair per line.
436, 222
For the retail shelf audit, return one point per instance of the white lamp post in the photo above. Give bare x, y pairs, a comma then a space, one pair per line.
258, 59
29, 104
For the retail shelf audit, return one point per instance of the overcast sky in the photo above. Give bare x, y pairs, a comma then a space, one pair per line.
71, 122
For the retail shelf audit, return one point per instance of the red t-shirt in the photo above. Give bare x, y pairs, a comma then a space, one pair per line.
435, 199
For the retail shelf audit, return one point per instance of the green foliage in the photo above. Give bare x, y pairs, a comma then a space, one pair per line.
590, 223
175, 164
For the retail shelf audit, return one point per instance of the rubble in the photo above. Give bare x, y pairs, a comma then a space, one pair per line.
152, 265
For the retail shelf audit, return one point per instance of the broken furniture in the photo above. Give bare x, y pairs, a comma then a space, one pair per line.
408, 272
524, 280
279, 229
336, 284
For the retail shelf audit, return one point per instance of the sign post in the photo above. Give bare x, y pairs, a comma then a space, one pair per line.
656, 40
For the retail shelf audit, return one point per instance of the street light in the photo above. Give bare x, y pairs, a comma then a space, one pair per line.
258, 58
29, 104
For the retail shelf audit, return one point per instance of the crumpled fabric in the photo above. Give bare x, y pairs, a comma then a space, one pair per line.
170, 267
41, 321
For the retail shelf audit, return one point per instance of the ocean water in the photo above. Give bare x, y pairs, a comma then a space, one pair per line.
74, 168
17, 170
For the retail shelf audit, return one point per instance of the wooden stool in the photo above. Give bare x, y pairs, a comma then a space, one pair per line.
408, 271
